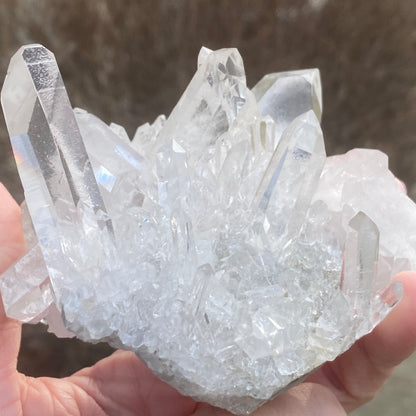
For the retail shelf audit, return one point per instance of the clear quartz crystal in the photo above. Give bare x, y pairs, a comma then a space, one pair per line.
360, 266
219, 244
292, 176
286, 95
26, 290
60, 188
120, 131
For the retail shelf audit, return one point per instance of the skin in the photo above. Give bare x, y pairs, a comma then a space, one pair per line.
122, 385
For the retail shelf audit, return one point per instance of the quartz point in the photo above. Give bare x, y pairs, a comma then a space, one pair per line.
220, 244
286, 95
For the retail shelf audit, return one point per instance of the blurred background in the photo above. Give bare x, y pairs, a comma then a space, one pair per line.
128, 61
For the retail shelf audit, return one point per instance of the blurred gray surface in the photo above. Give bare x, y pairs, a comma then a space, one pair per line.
397, 397
129, 61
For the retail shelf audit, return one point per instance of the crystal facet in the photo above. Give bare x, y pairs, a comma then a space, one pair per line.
286, 95
219, 244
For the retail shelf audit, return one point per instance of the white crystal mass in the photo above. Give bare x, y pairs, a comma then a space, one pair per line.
219, 244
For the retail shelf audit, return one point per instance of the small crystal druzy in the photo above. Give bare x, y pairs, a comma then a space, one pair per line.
219, 244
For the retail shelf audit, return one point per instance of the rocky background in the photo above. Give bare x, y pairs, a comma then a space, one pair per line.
128, 61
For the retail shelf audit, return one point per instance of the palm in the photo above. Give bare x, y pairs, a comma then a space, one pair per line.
122, 384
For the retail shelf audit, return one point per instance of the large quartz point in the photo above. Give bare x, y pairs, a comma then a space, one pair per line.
286, 95
219, 244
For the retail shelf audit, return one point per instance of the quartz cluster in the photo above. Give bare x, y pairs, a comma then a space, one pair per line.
219, 244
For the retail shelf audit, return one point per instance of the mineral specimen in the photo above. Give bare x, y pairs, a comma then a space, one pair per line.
219, 244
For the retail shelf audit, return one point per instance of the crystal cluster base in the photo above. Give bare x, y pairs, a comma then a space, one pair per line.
219, 244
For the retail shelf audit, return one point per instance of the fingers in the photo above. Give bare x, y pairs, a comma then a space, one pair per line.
357, 375
394, 339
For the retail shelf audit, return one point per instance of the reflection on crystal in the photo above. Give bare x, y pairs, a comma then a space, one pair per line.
105, 178
219, 244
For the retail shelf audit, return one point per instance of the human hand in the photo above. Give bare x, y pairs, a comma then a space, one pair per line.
122, 385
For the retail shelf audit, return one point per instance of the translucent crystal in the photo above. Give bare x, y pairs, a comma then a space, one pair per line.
61, 192
145, 138
209, 105
220, 244
292, 176
120, 131
286, 95
360, 266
